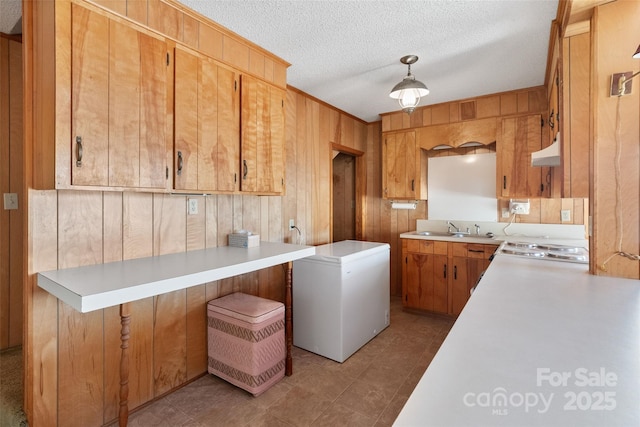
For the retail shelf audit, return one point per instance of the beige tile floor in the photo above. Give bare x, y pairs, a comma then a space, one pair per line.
368, 389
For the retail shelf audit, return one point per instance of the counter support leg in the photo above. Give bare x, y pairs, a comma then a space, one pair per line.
288, 318
125, 320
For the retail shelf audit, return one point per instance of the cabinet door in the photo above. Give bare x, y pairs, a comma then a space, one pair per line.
400, 157
440, 284
228, 128
459, 284
118, 104
277, 136
262, 136
418, 267
90, 94
153, 112
206, 147
520, 137
137, 108
218, 128
186, 120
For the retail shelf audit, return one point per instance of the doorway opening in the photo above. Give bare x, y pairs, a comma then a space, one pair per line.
348, 179
344, 197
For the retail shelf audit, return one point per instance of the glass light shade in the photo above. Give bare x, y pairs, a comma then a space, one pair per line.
408, 93
637, 54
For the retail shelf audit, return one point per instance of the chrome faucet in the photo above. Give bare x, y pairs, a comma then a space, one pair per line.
453, 225
477, 229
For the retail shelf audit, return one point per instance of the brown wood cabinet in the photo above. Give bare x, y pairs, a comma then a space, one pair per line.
107, 112
118, 98
519, 137
207, 126
262, 136
456, 134
403, 167
424, 278
438, 276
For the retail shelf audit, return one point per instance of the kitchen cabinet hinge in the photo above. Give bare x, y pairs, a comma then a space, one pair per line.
168, 60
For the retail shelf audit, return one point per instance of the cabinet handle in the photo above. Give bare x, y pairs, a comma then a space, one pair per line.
475, 250
180, 162
245, 169
445, 271
542, 188
504, 182
413, 181
78, 151
455, 272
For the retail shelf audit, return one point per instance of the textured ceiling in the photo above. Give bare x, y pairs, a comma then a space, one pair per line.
347, 53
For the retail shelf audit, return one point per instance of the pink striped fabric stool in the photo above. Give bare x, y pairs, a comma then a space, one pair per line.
246, 344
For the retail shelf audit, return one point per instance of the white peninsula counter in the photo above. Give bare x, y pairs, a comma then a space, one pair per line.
99, 286
538, 344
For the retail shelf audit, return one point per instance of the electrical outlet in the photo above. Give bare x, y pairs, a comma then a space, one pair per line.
292, 224
519, 207
192, 206
565, 215
505, 213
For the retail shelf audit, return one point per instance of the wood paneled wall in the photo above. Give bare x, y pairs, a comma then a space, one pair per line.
71, 352
615, 172
11, 181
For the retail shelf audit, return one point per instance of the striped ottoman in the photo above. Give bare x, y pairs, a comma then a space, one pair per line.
246, 344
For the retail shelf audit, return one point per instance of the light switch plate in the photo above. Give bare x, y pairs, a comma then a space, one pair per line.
10, 201
565, 215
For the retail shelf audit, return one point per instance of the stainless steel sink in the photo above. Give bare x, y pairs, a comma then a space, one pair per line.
453, 234
433, 233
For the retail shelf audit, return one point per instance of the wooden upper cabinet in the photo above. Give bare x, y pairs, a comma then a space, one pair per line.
456, 134
90, 95
206, 139
118, 104
520, 136
403, 167
262, 136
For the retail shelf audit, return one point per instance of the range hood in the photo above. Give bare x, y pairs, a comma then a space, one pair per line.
549, 156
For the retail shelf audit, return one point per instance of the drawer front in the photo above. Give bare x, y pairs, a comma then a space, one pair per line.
475, 250
459, 250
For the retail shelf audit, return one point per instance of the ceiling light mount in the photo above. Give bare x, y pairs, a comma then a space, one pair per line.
409, 91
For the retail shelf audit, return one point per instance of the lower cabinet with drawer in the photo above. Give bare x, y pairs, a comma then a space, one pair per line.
437, 276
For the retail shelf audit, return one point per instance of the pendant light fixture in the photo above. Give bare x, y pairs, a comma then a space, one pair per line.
409, 91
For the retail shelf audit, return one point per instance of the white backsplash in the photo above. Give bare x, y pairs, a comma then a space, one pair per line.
549, 231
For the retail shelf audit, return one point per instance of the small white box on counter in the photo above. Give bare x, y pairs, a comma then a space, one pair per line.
244, 239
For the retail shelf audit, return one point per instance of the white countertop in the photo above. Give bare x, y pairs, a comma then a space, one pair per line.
529, 323
99, 286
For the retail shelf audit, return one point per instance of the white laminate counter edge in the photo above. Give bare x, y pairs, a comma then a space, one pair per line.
93, 287
529, 316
